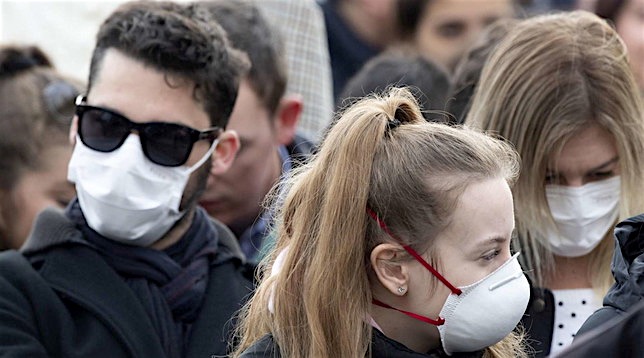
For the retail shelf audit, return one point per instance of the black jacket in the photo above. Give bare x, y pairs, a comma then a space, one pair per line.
381, 347
628, 270
539, 321
59, 298
622, 336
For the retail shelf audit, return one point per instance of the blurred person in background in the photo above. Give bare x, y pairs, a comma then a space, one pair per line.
443, 30
357, 30
265, 117
560, 89
628, 19
301, 25
428, 82
36, 110
468, 71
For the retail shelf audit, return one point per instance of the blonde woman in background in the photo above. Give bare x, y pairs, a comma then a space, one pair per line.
394, 242
560, 89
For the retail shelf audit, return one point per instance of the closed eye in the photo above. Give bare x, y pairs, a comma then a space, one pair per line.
601, 175
451, 29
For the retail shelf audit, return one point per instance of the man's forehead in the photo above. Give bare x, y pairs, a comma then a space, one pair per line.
145, 94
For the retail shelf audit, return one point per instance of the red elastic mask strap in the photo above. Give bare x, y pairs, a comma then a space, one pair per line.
414, 254
436, 322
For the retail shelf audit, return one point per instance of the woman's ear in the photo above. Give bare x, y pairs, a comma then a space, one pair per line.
225, 152
392, 272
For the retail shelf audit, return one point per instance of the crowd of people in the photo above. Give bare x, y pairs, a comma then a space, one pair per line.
342, 178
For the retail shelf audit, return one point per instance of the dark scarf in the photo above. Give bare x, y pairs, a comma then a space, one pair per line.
170, 283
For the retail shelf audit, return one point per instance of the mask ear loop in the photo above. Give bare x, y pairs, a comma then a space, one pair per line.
206, 156
436, 322
413, 253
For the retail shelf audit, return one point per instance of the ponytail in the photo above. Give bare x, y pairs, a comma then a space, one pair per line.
379, 154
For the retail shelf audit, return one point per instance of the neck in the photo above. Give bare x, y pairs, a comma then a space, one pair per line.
177, 231
569, 273
368, 28
418, 336
406, 330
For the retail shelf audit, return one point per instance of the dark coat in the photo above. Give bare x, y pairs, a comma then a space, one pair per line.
539, 321
628, 270
59, 298
622, 336
381, 347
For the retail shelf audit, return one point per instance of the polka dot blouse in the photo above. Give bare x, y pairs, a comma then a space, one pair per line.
572, 308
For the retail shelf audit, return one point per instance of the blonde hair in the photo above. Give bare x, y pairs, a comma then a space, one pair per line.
550, 77
383, 155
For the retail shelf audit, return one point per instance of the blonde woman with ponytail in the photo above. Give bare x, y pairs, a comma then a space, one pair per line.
393, 242
559, 87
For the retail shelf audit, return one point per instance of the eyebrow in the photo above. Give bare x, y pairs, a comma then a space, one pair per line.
602, 166
493, 241
599, 167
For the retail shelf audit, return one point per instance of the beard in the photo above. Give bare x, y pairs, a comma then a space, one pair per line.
196, 186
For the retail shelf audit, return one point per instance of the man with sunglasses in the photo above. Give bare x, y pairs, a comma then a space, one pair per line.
133, 267
265, 117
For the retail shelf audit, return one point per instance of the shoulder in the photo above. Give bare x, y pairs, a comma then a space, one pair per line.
600, 316
227, 244
620, 336
266, 347
385, 347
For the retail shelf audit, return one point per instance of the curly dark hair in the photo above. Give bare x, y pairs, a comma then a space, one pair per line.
178, 40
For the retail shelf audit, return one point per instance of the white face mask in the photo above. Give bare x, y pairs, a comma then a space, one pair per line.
478, 315
486, 311
583, 215
124, 196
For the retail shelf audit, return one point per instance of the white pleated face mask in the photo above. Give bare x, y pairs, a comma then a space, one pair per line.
124, 196
583, 215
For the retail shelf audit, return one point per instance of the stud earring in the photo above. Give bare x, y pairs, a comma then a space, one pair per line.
401, 290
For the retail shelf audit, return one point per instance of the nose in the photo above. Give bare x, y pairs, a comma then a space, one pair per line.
574, 182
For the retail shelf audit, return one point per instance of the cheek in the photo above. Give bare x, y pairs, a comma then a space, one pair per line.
428, 42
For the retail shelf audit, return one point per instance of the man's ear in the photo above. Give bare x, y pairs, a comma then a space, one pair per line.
392, 272
287, 117
225, 152
73, 129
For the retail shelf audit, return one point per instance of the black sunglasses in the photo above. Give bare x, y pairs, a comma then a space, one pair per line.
167, 144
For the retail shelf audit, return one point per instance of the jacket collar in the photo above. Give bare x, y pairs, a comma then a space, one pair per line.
628, 264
